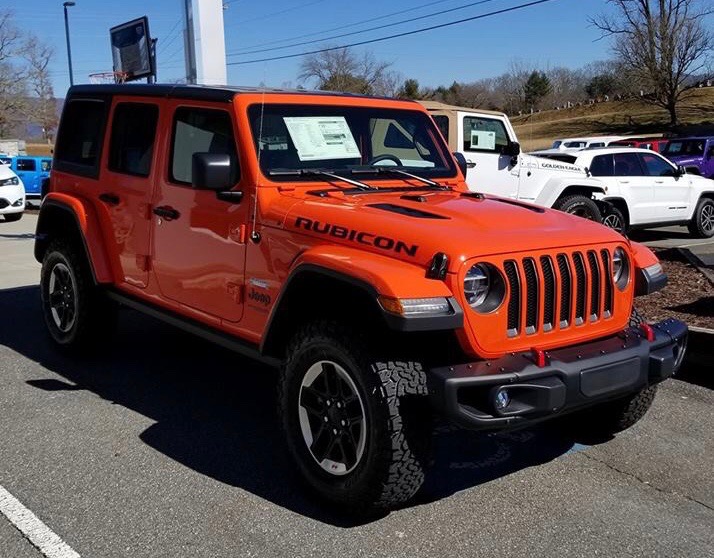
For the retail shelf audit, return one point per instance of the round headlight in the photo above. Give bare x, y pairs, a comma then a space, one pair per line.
477, 284
620, 268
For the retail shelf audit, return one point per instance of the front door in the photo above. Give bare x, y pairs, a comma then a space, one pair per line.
636, 187
481, 140
671, 193
199, 240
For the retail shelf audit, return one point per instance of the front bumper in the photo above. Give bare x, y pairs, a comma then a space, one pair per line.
572, 378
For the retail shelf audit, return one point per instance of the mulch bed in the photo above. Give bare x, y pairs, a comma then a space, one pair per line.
688, 296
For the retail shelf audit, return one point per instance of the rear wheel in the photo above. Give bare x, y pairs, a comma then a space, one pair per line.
702, 223
579, 205
357, 428
614, 219
77, 314
11, 217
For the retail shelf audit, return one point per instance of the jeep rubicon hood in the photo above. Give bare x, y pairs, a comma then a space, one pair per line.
415, 226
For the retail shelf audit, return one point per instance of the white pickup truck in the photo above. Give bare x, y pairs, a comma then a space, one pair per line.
496, 164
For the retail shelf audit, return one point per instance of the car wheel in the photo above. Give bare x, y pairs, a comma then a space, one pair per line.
77, 314
357, 428
614, 219
579, 205
12, 217
702, 223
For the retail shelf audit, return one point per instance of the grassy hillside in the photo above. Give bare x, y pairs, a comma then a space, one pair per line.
537, 131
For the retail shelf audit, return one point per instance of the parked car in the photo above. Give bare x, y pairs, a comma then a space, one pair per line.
655, 144
696, 154
32, 171
5, 159
271, 223
12, 194
645, 190
496, 165
575, 144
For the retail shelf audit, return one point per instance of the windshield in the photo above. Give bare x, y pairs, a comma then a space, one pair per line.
684, 147
343, 139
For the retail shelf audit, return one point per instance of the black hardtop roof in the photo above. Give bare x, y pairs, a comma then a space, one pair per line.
196, 92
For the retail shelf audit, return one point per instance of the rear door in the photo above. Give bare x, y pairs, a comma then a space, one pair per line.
671, 193
199, 250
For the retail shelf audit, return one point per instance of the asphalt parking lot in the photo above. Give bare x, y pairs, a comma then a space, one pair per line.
168, 446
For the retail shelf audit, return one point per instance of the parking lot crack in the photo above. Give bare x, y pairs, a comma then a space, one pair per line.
645, 482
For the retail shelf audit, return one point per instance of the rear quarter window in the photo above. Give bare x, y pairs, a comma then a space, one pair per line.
80, 138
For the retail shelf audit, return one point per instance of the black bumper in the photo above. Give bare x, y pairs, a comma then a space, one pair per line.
572, 378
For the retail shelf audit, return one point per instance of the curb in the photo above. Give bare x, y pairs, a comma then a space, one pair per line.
692, 258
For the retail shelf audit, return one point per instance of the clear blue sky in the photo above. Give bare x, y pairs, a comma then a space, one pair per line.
552, 34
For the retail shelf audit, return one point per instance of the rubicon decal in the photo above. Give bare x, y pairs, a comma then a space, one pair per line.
362, 237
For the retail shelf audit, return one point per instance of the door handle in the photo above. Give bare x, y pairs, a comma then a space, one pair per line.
168, 213
470, 164
109, 198
624, 181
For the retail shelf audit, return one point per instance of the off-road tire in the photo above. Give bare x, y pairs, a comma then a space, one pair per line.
398, 428
702, 223
12, 217
94, 314
615, 220
636, 319
581, 206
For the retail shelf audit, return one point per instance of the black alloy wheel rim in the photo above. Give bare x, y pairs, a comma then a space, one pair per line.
332, 418
706, 218
62, 297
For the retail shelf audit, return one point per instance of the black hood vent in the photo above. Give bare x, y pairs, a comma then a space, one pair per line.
408, 211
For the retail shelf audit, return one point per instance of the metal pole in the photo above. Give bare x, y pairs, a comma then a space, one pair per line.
66, 32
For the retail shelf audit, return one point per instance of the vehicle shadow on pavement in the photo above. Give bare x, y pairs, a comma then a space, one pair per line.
215, 411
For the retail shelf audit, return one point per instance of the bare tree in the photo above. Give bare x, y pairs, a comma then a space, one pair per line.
44, 106
662, 44
13, 98
343, 70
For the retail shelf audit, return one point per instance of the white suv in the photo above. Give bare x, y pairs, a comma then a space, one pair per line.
12, 195
645, 190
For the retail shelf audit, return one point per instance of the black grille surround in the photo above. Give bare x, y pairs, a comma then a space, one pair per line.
558, 292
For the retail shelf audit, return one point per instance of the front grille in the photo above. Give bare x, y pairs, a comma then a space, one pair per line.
576, 287
4, 203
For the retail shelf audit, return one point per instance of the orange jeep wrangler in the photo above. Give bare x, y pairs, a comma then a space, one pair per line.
333, 236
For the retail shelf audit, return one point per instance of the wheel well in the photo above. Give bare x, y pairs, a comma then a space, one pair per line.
586, 191
708, 195
312, 295
55, 222
620, 204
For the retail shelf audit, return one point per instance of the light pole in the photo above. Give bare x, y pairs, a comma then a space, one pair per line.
66, 32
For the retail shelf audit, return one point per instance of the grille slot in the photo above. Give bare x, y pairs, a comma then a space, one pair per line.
579, 288
531, 274
514, 302
546, 265
607, 279
566, 290
594, 286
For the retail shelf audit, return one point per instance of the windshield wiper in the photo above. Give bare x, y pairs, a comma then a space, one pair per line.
392, 170
320, 172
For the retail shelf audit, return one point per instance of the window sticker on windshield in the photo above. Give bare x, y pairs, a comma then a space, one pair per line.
481, 139
274, 143
321, 137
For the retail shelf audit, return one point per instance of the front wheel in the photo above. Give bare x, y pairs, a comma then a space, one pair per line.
579, 205
356, 427
614, 219
702, 223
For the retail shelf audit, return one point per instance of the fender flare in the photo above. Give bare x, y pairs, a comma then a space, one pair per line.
86, 227
553, 189
374, 275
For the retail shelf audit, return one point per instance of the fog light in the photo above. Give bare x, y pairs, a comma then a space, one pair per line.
18, 203
502, 399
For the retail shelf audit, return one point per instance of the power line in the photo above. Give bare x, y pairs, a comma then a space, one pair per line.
266, 16
433, 14
353, 24
166, 37
395, 36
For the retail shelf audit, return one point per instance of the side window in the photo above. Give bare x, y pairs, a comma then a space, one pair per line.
442, 122
484, 134
79, 144
132, 143
602, 165
397, 138
46, 165
199, 130
26, 165
656, 166
627, 164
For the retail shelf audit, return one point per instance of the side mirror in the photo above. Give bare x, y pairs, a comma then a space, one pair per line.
461, 162
512, 149
212, 171
681, 171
